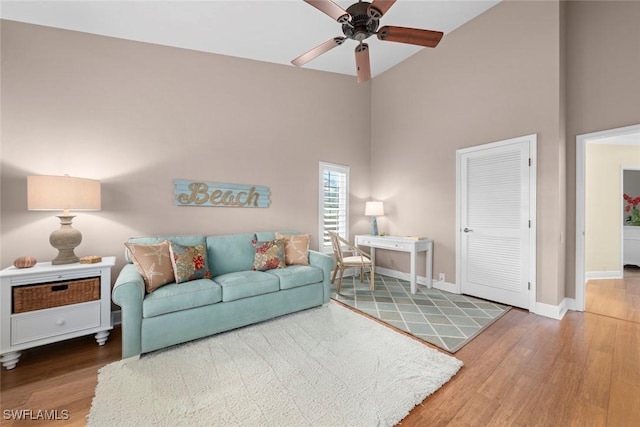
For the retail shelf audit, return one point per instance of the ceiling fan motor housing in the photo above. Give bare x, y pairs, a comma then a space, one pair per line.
362, 25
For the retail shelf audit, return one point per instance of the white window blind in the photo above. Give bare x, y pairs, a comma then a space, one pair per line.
334, 203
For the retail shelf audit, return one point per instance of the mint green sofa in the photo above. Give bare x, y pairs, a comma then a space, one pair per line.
236, 296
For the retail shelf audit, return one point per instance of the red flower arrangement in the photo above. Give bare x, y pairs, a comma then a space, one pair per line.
631, 208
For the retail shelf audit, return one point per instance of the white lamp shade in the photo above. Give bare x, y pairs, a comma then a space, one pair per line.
374, 209
62, 193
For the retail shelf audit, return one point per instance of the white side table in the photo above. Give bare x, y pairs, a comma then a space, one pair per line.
20, 331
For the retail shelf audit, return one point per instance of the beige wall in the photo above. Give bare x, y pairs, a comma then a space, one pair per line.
603, 228
497, 77
603, 62
558, 69
136, 116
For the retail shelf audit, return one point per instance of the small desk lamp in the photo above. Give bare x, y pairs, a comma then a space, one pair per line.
374, 209
46, 193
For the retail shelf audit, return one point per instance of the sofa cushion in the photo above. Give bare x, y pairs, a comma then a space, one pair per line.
181, 296
297, 275
243, 284
296, 248
189, 262
153, 262
231, 253
269, 255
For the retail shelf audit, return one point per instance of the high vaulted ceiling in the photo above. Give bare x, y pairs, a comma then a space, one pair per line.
264, 30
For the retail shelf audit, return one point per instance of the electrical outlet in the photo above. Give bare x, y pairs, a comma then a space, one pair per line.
441, 277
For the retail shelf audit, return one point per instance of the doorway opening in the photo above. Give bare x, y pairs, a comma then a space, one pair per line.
629, 135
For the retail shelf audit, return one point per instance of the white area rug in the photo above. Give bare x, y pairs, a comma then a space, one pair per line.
326, 366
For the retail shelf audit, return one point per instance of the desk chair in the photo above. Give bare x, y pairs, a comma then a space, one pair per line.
359, 259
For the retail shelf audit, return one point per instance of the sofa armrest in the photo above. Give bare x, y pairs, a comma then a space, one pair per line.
128, 292
325, 262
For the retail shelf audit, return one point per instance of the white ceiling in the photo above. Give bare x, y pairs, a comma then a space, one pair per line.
264, 30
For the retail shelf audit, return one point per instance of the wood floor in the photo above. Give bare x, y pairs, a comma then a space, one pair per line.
619, 298
524, 370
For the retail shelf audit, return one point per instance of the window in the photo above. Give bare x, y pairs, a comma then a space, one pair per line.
334, 203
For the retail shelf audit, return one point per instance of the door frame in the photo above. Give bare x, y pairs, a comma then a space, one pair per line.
581, 165
532, 139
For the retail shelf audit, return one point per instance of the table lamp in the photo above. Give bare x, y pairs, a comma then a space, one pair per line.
374, 209
53, 193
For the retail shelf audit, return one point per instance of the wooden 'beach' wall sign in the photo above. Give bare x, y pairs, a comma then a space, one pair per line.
198, 193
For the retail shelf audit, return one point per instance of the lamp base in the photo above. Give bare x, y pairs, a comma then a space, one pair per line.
65, 240
374, 226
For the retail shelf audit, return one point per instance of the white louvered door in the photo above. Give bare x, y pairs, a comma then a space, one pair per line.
494, 220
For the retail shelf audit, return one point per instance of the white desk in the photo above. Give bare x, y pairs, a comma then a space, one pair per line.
402, 244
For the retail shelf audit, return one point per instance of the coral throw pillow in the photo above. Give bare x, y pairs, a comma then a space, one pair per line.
189, 262
296, 248
269, 255
153, 262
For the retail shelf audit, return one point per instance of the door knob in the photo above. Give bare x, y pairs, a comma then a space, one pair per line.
466, 230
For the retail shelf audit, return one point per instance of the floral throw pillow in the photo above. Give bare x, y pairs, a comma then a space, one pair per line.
153, 262
269, 255
296, 248
189, 262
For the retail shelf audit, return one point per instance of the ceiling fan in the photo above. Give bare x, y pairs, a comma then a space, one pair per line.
359, 22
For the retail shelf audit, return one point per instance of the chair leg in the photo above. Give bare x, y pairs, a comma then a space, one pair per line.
335, 271
340, 280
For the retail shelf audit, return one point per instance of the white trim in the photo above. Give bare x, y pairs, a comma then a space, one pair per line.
533, 189
604, 275
570, 304
553, 311
581, 143
541, 309
116, 317
420, 280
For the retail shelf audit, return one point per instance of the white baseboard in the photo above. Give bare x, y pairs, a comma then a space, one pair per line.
421, 280
604, 275
571, 304
547, 310
553, 311
116, 317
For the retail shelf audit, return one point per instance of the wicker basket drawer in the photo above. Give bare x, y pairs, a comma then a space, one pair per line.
55, 294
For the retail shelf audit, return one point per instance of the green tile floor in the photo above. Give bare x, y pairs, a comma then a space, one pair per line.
443, 319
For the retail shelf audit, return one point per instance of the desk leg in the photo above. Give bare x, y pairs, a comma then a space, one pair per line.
430, 267
372, 252
413, 272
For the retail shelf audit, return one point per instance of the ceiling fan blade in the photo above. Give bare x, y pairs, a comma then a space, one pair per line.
415, 36
317, 51
331, 9
379, 8
363, 65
